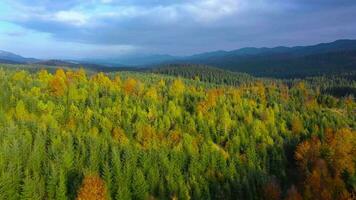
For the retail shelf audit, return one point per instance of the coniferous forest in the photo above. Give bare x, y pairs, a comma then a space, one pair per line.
75, 134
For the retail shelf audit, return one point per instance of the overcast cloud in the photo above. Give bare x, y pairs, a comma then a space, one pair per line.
107, 28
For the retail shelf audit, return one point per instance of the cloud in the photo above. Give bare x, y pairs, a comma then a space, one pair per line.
48, 49
71, 17
210, 10
187, 26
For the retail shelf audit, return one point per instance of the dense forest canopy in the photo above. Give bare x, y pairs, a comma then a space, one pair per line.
128, 135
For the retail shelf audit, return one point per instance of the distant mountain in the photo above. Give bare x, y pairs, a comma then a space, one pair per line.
299, 61
8, 57
338, 45
54, 62
11, 58
282, 61
146, 59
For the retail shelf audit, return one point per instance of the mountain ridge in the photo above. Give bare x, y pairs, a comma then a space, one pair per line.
265, 61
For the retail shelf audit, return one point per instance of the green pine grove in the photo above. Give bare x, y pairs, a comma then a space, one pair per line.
73, 134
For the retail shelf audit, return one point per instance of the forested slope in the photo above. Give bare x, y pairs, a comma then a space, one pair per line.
284, 65
337, 84
124, 135
203, 73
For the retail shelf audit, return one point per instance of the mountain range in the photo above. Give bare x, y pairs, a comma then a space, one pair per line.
279, 61
283, 61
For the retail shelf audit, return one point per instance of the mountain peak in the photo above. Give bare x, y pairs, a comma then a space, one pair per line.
9, 56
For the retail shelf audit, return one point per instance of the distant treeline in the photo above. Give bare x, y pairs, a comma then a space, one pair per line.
338, 84
343, 84
204, 73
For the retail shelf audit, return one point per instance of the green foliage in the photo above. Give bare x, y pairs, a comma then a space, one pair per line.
148, 136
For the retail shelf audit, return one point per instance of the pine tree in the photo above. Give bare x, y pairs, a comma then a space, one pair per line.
139, 185
123, 192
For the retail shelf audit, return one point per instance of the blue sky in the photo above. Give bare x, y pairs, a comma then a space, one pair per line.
111, 28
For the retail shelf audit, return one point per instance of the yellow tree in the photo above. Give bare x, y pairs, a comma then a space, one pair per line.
177, 87
129, 85
58, 84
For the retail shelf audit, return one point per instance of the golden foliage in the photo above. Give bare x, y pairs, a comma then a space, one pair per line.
152, 94
177, 87
146, 135
342, 147
102, 80
119, 135
60, 74
323, 162
211, 101
93, 188
19, 76
116, 83
129, 85
175, 137
58, 84
44, 76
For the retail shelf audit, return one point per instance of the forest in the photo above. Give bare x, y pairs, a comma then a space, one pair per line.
336, 84
76, 134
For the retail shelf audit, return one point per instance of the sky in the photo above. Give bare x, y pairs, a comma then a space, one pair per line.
114, 28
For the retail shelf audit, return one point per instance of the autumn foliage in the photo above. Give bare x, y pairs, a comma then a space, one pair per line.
93, 188
324, 163
272, 190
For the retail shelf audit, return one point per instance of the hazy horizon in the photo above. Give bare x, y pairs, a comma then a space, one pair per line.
132, 55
